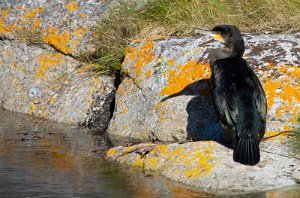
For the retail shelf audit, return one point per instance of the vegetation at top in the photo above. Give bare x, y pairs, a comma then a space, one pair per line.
179, 17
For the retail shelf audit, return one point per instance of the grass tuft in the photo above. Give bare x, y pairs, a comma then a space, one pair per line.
180, 17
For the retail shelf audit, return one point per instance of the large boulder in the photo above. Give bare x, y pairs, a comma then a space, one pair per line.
48, 84
209, 166
165, 95
43, 77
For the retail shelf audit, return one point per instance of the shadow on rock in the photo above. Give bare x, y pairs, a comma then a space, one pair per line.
202, 119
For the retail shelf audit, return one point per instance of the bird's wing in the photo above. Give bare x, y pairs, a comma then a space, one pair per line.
259, 97
224, 93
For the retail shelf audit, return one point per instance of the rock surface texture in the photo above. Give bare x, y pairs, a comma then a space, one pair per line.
68, 26
47, 84
165, 96
209, 165
39, 75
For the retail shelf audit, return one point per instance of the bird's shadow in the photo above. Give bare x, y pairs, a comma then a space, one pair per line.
202, 119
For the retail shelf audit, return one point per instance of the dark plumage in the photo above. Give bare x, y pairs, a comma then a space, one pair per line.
238, 96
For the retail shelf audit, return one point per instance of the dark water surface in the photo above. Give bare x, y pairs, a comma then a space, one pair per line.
44, 159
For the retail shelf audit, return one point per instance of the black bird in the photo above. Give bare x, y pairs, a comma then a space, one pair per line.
238, 96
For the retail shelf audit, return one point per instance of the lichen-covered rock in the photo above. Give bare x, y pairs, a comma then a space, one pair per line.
165, 92
209, 165
68, 26
48, 84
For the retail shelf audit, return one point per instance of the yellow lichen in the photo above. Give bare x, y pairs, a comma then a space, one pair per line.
5, 12
83, 15
171, 62
176, 153
143, 55
52, 100
286, 89
32, 109
272, 133
36, 25
32, 13
152, 163
183, 75
72, 6
46, 62
139, 162
162, 116
57, 39
128, 149
161, 149
111, 152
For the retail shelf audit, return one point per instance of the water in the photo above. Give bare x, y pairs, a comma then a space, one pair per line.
44, 159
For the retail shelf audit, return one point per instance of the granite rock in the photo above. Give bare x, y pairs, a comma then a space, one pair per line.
48, 84
165, 95
209, 166
68, 26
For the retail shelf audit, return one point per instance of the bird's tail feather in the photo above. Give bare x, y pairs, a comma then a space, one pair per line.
247, 151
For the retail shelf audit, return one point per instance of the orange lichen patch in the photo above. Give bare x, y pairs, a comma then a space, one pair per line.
183, 75
36, 25
161, 149
143, 55
46, 62
5, 12
5, 28
32, 13
286, 89
23, 23
57, 39
72, 6
148, 74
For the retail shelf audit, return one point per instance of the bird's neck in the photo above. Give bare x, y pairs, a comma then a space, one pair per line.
230, 50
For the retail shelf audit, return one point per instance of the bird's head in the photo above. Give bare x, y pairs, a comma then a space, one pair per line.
226, 34
230, 36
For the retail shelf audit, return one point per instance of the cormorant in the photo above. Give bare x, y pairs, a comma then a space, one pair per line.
238, 96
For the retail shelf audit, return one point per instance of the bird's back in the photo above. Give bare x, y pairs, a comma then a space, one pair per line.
240, 103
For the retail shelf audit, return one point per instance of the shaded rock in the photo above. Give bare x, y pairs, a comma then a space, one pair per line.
164, 94
296, 175
209, 165
50, 85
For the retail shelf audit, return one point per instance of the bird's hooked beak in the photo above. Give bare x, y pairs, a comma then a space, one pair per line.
215, 35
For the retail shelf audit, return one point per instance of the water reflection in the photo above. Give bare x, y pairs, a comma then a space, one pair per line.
44, 159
